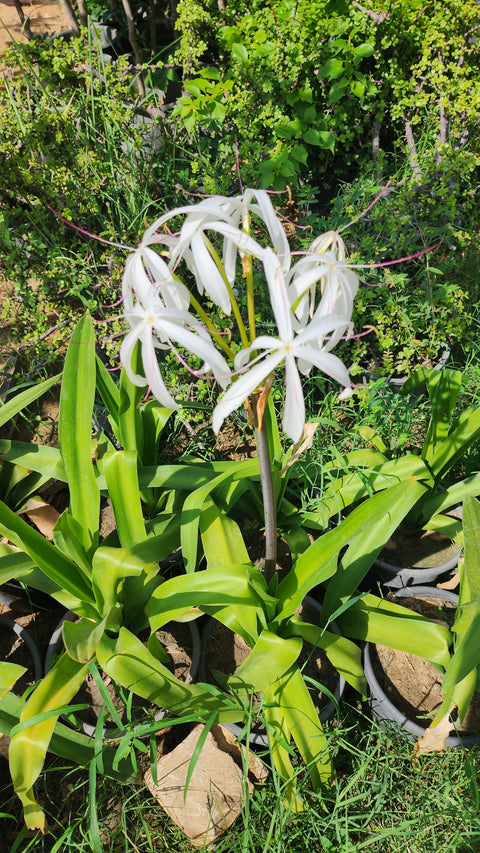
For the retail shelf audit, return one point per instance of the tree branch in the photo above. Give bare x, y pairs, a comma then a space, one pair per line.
23, 20
70, 16
377, 17
412, 151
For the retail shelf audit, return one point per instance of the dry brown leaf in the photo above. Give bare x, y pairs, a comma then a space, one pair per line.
260, 401
4, 745
452, 582
43, 515
435, 736
215, 793
305, 442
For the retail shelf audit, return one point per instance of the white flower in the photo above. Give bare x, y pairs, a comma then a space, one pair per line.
156, 327
146, 273
223, 216
288, 348
338, 287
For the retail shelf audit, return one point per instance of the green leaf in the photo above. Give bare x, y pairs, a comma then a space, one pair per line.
120, 469
231, 586
82, 638
302, 721
108, 390
240, 52
222, 540
362, 51
371, 619
377, 520
29, 746
332, 69
75, 430
322, 138
21, 401
344, 655
48, 558
193, 508
131, 665
9, 674
269, 659
67, 536
443, 388
36, 457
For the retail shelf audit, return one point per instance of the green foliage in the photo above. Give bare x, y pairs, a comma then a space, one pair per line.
299, 77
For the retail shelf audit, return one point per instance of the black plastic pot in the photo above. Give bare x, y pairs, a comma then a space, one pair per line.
381, 707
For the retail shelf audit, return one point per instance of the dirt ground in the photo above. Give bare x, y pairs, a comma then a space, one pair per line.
43, 17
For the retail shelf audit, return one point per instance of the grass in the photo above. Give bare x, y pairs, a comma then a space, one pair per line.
383, 802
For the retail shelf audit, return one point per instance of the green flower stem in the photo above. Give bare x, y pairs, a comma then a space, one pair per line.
268, 493
235, 308
212, 328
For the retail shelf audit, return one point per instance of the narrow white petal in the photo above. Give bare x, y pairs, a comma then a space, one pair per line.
242, 388
294, 411
275, 229
278, 295
327, 363
208, 275
153, 375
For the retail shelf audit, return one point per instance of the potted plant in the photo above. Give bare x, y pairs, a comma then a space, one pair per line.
452, 689
435, 517
115, 586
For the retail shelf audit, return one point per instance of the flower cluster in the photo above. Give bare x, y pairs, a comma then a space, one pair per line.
311, 301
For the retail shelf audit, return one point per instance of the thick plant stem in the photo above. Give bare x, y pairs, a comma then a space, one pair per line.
266, 479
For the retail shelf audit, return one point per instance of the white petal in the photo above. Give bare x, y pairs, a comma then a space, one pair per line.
294, 412
278, 295
208, 274
153, 375
327, 363
242, 388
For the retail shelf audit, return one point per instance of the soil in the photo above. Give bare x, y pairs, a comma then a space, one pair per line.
44, 18
413, 684
424, 550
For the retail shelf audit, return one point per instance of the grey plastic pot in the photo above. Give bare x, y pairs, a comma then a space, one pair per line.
396, 577
260, 738
55, 647
381, 707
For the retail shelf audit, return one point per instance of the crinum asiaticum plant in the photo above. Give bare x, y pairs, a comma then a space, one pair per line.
220, 243
168, 282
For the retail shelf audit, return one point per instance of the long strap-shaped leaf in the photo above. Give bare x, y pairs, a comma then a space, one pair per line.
21, 401
302, 721
192, 509
443, 388
75, 430
344, 655
120, 470
130, 663
467, 623
36, 457
229, 587
29, 745
70, 744
369, 526
377, 520
48, 558
373, 620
